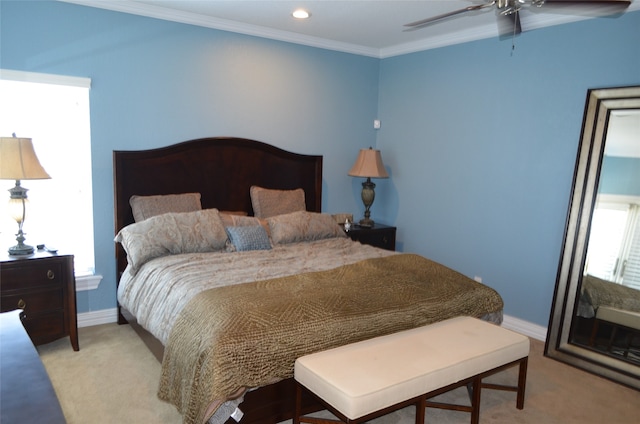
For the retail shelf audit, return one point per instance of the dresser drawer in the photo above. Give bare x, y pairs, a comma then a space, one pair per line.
45, 328
42, 273
33, 302
384, 240
381, 236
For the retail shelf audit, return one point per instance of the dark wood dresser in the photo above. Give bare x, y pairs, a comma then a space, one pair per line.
379, 235
43, 285
25, 389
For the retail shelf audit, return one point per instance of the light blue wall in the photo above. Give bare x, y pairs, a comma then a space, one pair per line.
480, 144
620, 176
482, 141
155, 83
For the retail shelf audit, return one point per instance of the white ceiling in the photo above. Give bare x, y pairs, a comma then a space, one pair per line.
366, 27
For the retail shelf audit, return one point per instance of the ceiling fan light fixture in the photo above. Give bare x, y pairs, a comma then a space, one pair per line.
301, 14
509, 7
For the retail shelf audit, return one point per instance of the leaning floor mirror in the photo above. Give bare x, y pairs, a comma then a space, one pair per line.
595, 318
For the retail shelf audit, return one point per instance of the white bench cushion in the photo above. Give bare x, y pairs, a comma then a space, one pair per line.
367, 376
618, 316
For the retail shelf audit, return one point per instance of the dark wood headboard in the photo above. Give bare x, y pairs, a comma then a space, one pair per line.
221, 169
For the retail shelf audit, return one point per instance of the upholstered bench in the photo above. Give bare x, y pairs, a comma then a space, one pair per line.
617, 318
371, 378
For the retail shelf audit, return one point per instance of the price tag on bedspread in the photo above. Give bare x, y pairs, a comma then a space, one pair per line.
237, 415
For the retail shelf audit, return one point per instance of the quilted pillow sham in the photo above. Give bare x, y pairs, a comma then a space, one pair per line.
268, 202
170, 234
144, 207
303, 226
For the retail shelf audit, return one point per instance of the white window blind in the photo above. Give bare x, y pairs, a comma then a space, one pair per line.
54, 112
605, 240
613, 253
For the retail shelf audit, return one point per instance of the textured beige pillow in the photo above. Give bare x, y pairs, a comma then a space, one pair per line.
267, 203
144, 207
303, 226
171, 234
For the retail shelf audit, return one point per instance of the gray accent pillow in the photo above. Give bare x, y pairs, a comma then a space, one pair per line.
249, 238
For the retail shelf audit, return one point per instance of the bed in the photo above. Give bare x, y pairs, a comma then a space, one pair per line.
310, 289
596, 292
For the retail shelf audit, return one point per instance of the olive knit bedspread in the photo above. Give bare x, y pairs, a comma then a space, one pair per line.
229, 339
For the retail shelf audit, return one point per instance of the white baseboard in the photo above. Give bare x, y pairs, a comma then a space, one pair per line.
108, 316
103, 316
527, 328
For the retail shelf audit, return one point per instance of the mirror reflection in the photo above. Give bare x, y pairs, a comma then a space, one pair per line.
607, 312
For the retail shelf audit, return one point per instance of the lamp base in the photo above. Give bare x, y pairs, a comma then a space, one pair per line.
366, 222
368, 194
21, 249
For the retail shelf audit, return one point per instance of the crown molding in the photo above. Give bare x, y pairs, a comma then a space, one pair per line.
166, 14
464, 36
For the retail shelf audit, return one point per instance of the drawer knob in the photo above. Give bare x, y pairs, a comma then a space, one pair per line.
51, 275
22, 304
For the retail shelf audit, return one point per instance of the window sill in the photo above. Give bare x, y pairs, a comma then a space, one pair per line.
88, 282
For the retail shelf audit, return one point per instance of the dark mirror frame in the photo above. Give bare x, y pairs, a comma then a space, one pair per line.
599, 105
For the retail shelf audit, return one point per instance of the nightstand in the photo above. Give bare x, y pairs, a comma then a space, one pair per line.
44, 286
379, 235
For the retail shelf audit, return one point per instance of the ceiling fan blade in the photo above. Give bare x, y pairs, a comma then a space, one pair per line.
424, 22
596, 7
621, 3
509, 25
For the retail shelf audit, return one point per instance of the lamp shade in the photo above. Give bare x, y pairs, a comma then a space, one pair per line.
369, 165
18, 160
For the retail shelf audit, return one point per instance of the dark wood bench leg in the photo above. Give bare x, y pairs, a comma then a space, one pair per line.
612, 338
594, 332
421, 407
298, 409
475, 400
522, 382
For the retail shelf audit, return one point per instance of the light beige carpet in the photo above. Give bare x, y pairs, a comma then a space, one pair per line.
113, 379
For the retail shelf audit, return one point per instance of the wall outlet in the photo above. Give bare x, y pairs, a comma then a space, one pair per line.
478, 279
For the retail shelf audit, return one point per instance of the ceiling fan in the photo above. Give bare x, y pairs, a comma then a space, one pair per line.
508, 11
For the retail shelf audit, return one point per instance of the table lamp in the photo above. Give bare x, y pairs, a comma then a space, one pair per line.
18, 161
369, 165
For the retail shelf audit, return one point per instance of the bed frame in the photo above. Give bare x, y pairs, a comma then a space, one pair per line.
222, 169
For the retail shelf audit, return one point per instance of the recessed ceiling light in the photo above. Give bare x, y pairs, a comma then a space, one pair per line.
300, 14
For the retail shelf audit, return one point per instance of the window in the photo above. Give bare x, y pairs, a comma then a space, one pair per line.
614, 243
54, 112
